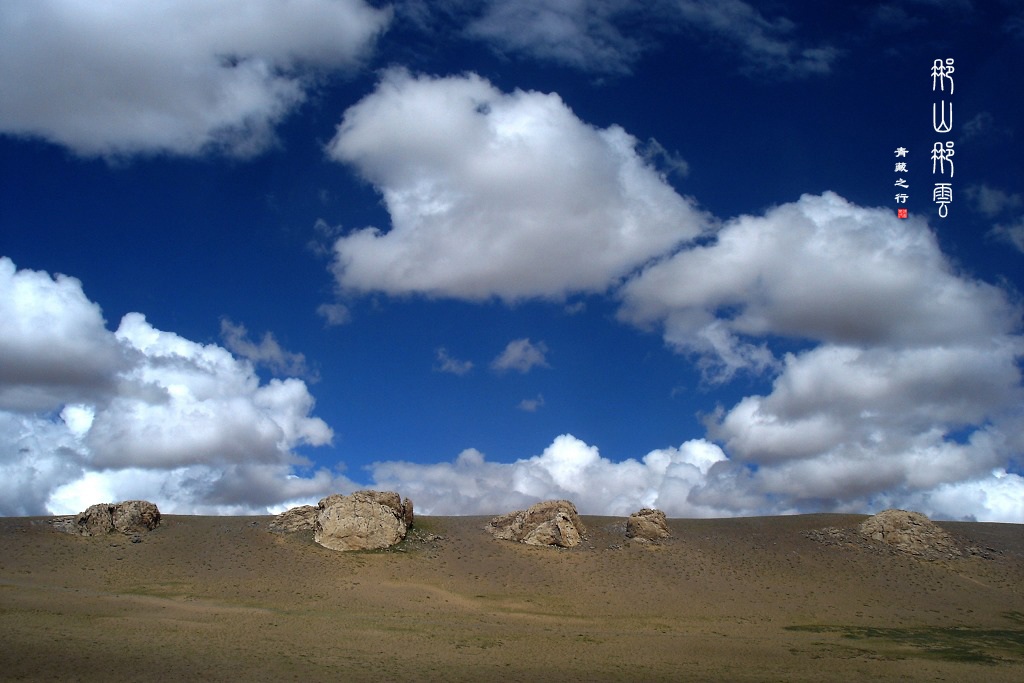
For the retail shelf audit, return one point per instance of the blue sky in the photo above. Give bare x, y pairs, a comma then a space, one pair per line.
487, 253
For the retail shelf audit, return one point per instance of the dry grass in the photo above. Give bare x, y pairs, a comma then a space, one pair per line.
223, 599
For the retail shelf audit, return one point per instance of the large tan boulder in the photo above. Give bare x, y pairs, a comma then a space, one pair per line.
910, 532
130, 516
552, 522
364, 520
647, 524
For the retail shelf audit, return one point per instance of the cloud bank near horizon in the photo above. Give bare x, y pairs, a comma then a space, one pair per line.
894, 406
86, 413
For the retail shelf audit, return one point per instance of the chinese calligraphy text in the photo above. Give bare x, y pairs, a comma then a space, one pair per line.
942, 122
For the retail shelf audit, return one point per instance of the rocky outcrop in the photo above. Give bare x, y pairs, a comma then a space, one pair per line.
647, 525
364, 520
127, 517
407, 515
300, 518
552, 522
909, 532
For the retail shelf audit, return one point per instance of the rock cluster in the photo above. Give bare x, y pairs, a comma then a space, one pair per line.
647, 524
902, 532
552, 522
364, 520
909, 532
296, 519
127, 517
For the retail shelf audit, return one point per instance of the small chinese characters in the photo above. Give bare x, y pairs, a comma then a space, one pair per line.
942, 122
901, 181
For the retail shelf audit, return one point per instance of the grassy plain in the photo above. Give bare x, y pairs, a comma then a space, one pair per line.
754, 599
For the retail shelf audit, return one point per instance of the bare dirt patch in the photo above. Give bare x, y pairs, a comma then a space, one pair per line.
224, 599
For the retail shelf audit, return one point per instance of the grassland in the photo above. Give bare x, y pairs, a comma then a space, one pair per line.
224, 599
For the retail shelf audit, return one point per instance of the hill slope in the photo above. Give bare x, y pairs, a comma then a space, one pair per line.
222, 598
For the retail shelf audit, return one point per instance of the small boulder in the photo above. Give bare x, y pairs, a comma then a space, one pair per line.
364, 520
552, 522
130, 516
298, 518
910, 532
647, 524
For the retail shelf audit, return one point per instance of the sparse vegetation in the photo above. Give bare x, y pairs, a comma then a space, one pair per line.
208, 598
954, 643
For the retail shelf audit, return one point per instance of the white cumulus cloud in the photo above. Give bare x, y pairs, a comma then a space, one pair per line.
91, 415
123, 77
567, 468
910, 388
844, 424
496, 194
55, 346
818, 269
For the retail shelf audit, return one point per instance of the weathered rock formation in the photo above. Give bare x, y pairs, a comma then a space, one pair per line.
407, 515
647, 524
365, 520
552, 522
296, 519
130, 516
910, 532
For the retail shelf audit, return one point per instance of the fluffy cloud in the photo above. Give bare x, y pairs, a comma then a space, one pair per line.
90, 415
936, 426
846, 425
522, 356
55, 346
498, 195
185, 403
125, 77
997, 497
910, 391
698, 480
817, 269
568, 468
36, 455
200, 489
